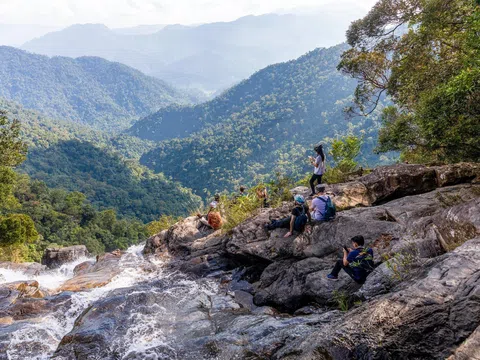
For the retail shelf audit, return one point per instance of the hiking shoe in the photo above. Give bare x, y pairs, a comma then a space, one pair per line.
331, 277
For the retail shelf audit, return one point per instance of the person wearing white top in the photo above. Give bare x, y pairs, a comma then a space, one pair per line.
319, 168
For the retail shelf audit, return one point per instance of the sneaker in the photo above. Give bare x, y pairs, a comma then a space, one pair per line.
331, 277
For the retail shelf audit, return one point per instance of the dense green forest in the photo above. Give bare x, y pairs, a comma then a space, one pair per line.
103, 167
431, 71
92, 91
268, 123
38, 131
32, 216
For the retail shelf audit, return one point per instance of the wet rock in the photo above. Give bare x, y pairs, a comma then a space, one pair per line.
56, 257
155, 244
100, 274
27, 268
83, 268
29, 289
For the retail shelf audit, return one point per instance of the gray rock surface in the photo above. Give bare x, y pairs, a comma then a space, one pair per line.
56, 257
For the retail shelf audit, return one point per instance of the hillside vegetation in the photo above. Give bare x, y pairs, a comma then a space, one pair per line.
32, 216
87, 90
266, 124
76, 158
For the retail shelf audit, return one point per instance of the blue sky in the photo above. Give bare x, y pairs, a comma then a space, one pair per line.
119, 13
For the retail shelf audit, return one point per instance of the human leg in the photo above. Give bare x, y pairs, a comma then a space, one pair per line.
282, 223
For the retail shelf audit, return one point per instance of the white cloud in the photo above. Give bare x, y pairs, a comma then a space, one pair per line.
117, 13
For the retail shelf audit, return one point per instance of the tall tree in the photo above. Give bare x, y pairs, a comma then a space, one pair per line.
425, 55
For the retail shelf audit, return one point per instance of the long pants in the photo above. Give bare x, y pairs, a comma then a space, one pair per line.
282, 223
314, 178
339, 266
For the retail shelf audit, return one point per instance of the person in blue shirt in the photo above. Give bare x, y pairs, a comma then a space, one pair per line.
357, 261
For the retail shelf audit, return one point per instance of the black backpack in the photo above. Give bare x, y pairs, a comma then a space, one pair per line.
301, 221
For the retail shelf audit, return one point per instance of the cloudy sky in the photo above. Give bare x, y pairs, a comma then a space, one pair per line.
118, 13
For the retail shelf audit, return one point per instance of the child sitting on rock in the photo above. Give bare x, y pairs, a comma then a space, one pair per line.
297, 221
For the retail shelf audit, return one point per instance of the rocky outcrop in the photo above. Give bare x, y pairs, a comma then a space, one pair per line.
100, 274
427, 318
387, 183
56, 257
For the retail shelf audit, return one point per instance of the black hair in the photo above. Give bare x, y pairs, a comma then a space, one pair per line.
359, 240
242, 188
319, 150
217, 197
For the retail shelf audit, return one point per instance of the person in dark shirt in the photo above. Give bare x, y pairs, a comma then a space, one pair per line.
357, 262
295, 222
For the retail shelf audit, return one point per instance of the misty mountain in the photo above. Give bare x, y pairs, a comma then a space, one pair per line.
210, 56
266, 124
89, 90
16, 34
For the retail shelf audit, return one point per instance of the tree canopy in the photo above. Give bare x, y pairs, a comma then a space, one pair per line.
425, 55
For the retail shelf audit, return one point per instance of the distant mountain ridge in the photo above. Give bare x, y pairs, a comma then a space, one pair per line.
89, 90
210, 56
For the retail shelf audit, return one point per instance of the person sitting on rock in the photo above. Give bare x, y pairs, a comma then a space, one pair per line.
357, 261
262, 195
319, 204
213, 219
242, 191
297, 221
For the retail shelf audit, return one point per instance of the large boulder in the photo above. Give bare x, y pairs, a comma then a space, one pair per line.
387, 183
98, 275
56, 257
426, 318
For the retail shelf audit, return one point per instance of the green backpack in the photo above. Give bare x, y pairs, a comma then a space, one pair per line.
330, 209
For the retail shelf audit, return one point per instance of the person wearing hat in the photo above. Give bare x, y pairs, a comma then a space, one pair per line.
319, 203
296, 221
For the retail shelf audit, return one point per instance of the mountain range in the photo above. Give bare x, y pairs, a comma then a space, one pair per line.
211, 56
89, 90
268, 123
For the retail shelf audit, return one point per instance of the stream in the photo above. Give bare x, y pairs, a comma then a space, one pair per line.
38, 338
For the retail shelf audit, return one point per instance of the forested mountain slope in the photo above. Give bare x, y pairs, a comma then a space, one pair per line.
103, 167
210, 56
88, 90
265, 124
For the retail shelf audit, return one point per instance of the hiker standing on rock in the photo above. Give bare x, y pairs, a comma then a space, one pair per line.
319, 167
296, 222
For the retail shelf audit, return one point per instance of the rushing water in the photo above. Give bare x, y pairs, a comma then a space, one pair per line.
39, 338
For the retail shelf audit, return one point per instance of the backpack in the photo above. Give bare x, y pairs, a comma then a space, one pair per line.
301, 221
215, 220
330, 209
364, 262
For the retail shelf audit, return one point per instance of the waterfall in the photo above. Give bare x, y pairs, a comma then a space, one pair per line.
45, 333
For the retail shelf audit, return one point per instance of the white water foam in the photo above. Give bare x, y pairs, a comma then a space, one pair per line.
145, 331
49, 279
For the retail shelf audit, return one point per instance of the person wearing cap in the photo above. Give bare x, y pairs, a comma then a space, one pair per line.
319, 203
294, 222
